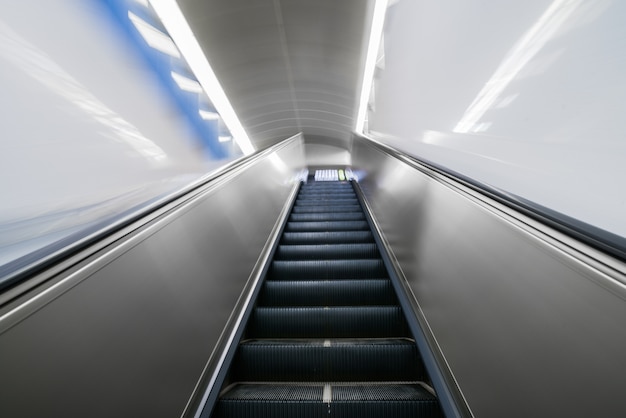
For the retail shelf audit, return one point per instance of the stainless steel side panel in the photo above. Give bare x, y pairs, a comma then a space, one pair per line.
528, 327
128, 333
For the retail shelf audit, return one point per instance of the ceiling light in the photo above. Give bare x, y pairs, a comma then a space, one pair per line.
224, 138
206, 115
376, 31
154, 37
187, 84
175, 23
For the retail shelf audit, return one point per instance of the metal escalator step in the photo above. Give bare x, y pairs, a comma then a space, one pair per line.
255, 401
328, 400
311, 238
393, 400
328, 202
327, 269
327, 293
327, 252
326, 185
327, 322
326, 208
328, 192
328, 360
327, 226
326, 195
328, 216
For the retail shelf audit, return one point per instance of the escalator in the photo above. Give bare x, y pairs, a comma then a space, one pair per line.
327, 336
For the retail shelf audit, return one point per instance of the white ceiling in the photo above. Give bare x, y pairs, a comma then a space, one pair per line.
287, 66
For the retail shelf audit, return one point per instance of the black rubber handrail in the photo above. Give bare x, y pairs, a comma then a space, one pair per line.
35, 262
607, 242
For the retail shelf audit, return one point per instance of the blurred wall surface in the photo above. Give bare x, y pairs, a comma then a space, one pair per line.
88, 131
524, 96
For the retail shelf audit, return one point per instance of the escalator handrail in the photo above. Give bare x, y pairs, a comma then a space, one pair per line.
597, 238
25, 267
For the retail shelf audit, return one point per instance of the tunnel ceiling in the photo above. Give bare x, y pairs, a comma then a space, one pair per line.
287, 66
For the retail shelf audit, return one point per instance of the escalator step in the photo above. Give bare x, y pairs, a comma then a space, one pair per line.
311, 238
327, 322
332, 216
329, 360
320, 186
327, 226
327, 252
327, 293
326, 186
373, 401
326, 208
327, 269
328, 202
345, 401
326, 196
255, 401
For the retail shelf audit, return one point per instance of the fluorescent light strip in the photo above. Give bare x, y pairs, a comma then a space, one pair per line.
154, 37
224, 138
206, 115
175, 23
376, 31
187, 84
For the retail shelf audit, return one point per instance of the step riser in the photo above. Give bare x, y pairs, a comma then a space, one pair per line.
328, 293
346, 363
335, 237
330, 202
326, 226
331, 322
326, 252
327, 269
324, 217
326, 196
327, 208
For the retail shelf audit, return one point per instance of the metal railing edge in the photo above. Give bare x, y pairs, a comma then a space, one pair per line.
448, 391
75, 244
206, 392
604, 241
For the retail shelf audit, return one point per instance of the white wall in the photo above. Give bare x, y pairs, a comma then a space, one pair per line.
86, 130
525, 96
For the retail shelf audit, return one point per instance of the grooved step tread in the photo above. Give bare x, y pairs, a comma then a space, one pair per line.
327, 322
326, 208
327, 293
326, 196
327, 252
326, 216
328, 360
327, 226
329, 400
325, 237
327, 269
327, 202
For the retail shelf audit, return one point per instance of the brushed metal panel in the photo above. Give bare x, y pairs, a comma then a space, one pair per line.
132, 338
527, 328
